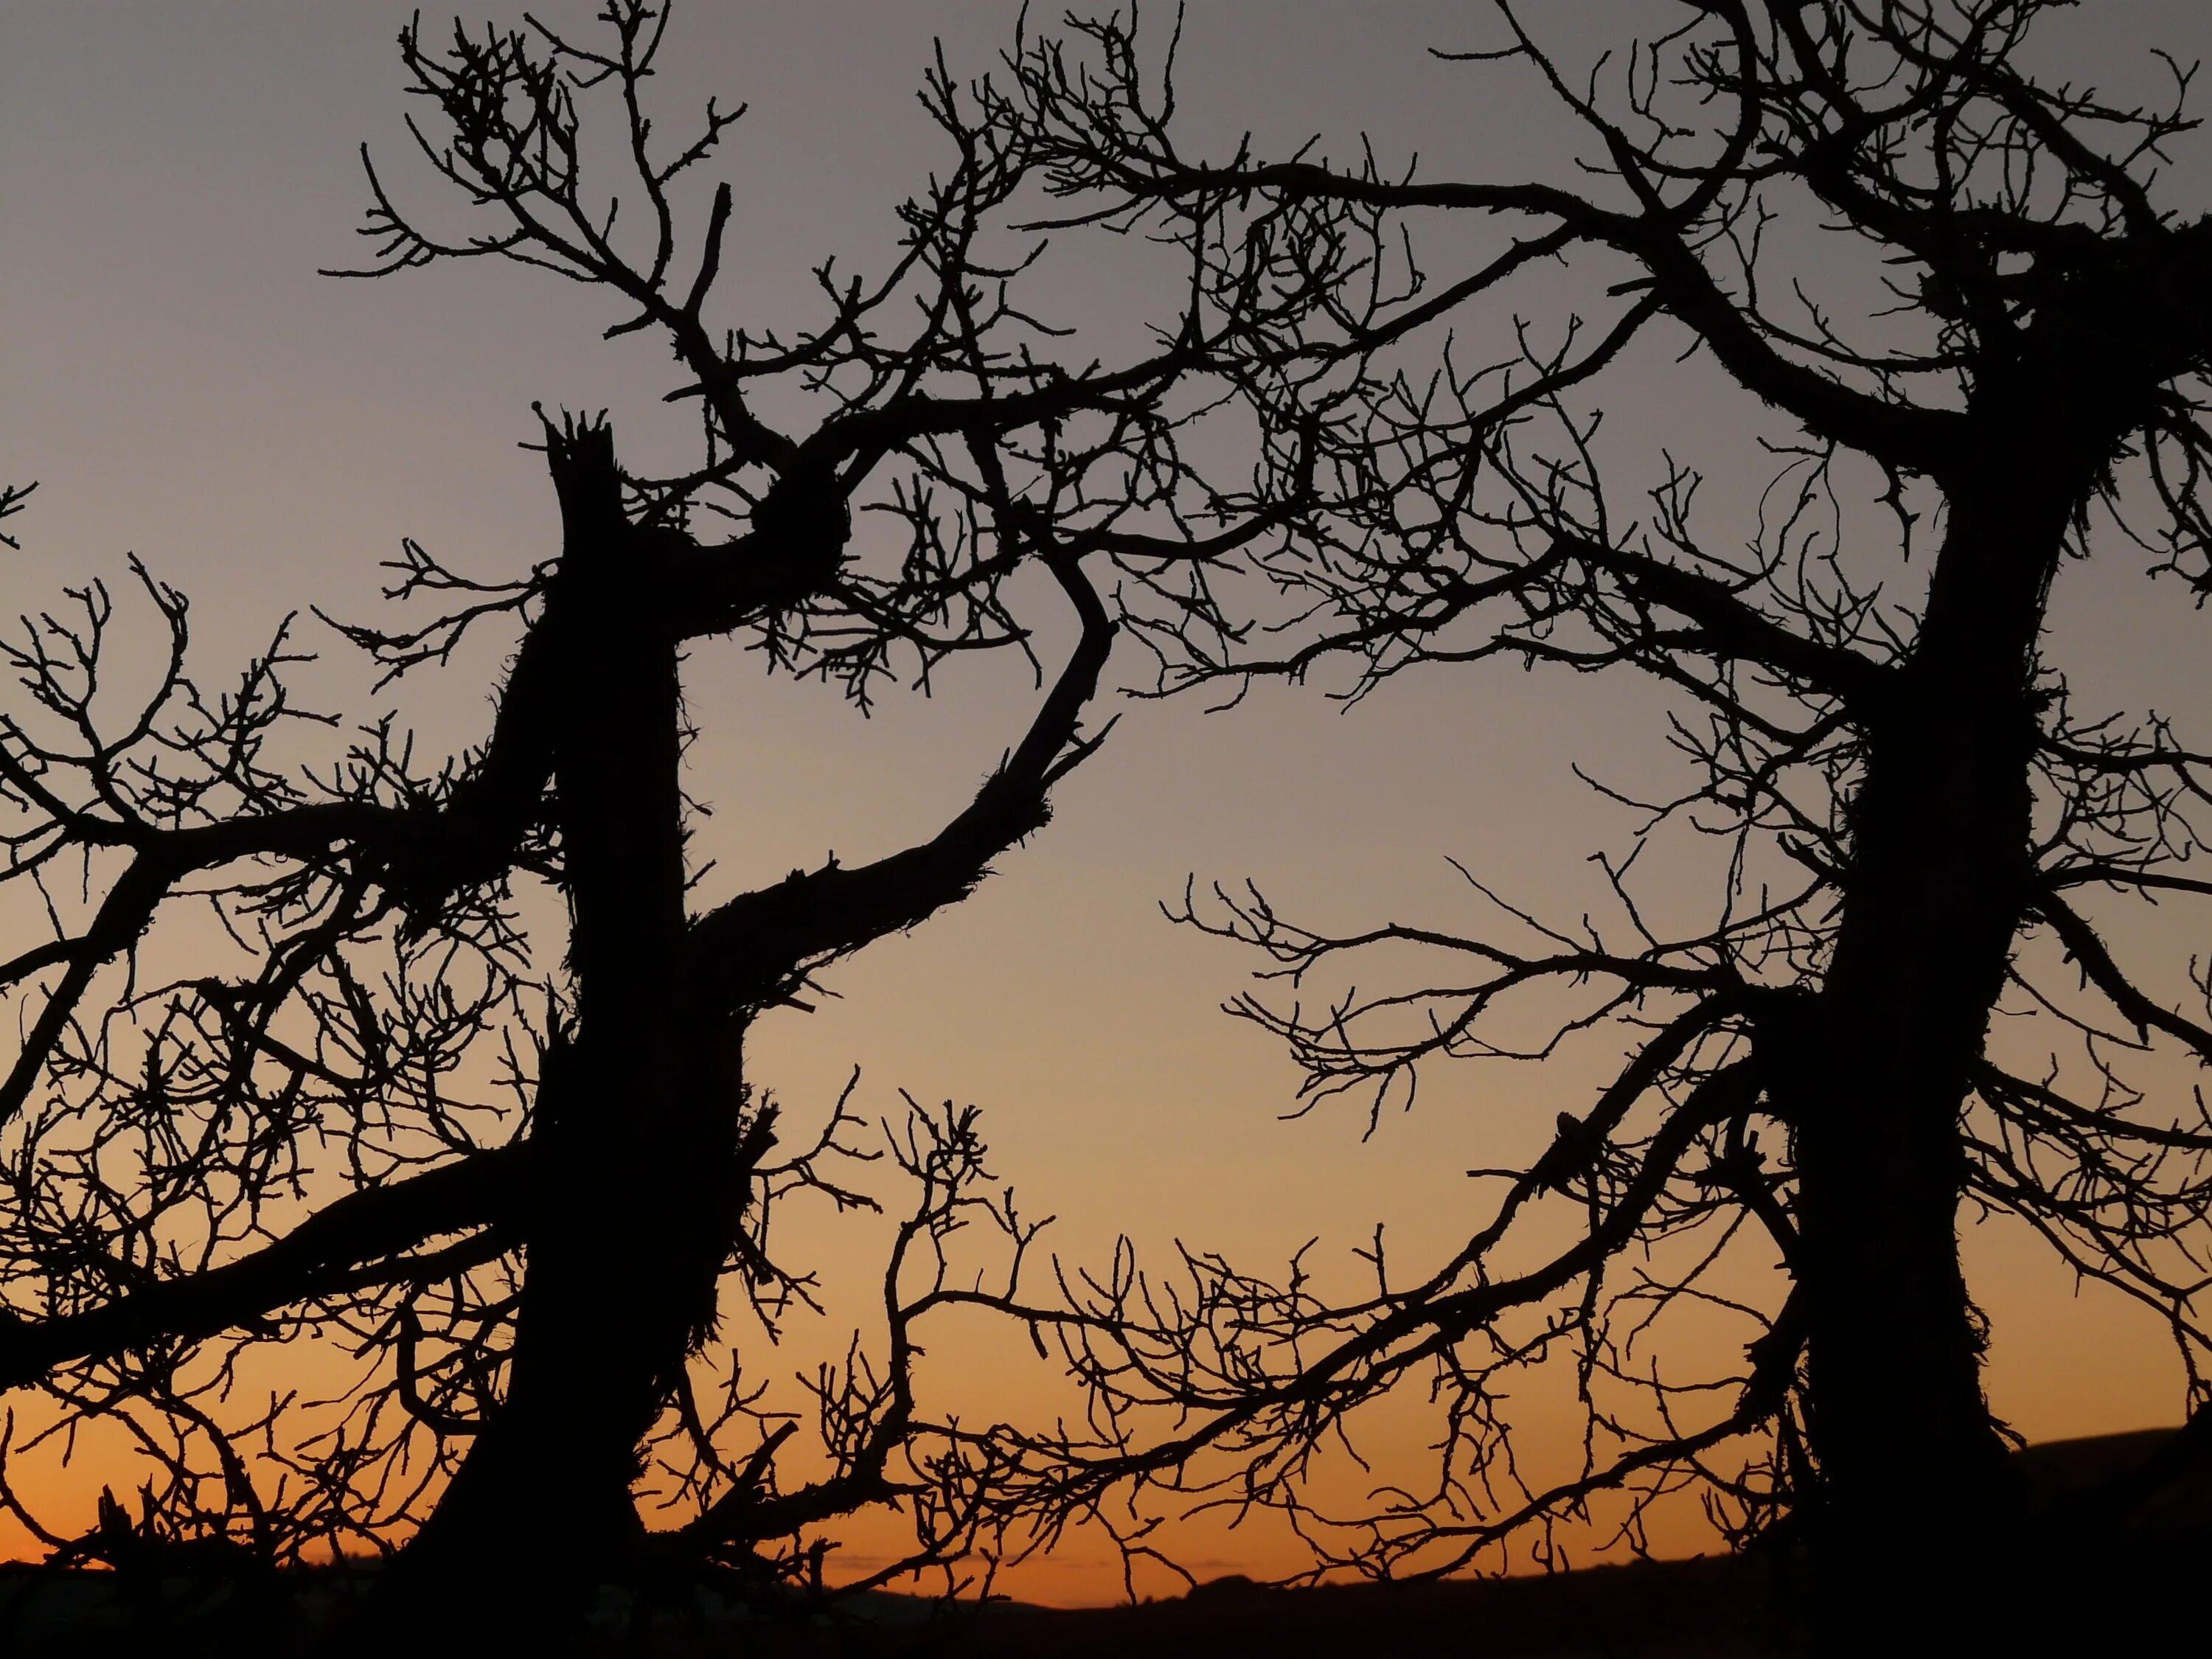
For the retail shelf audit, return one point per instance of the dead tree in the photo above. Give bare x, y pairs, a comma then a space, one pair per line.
295, 1132
1999, 357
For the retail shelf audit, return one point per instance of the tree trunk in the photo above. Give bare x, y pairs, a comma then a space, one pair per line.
1911, 1517
629, 1224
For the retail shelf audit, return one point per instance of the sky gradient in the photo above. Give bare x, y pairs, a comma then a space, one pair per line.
183, 385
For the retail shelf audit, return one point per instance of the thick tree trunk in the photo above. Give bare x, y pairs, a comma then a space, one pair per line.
630, 1222
1910, 1519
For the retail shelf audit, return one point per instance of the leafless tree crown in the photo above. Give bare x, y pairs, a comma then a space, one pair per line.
1978, 337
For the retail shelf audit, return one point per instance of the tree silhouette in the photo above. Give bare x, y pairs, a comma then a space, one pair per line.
1978, 338
218, 1145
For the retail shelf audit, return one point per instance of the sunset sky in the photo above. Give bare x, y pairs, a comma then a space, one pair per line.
183, 385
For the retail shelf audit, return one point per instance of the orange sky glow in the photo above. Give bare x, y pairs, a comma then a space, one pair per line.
184, 387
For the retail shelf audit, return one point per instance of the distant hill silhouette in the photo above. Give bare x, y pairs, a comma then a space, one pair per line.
2133, 1514
2128, 1473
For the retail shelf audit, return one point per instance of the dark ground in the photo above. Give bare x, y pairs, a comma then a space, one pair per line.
2129, 1577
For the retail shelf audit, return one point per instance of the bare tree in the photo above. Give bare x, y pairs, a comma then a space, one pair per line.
1978, 338
297, 1133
